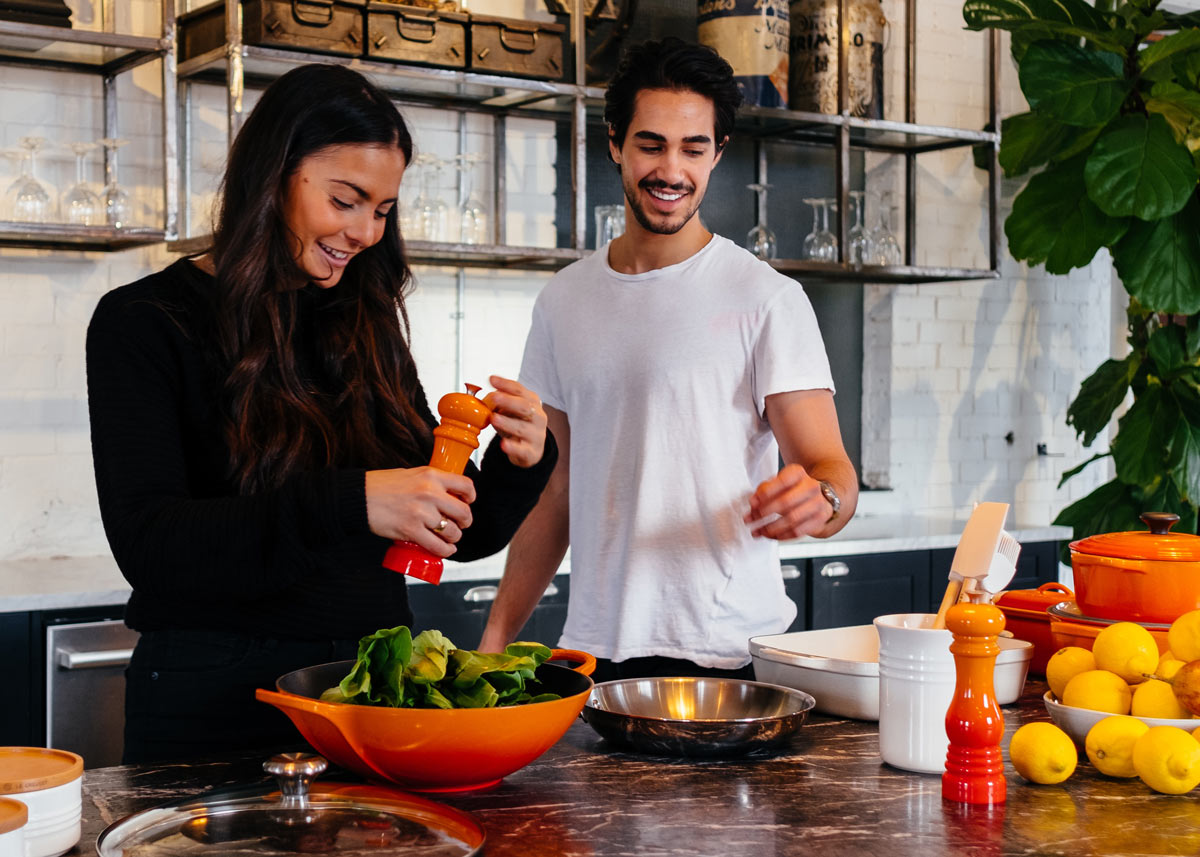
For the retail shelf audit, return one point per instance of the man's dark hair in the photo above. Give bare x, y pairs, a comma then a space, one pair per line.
671, 63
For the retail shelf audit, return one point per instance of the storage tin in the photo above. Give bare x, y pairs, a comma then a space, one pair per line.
50, 783
327, 26
416, 34
516, 47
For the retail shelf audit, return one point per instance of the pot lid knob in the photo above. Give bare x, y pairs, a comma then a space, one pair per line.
295, 772
1159, 523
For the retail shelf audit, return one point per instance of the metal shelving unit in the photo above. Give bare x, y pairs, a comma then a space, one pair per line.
236, 66
104, 54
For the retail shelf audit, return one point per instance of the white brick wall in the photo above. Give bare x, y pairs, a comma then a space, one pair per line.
950, 369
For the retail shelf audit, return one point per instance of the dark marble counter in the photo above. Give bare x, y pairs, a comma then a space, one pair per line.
827, 794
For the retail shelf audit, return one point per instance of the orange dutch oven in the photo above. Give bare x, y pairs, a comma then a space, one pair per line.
1138, 576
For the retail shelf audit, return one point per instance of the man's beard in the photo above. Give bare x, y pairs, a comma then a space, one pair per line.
644, 218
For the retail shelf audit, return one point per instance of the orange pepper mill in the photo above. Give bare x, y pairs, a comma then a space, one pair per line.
463, 417
974, 766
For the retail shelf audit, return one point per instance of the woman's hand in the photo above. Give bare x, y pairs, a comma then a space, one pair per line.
423, 505
519, 419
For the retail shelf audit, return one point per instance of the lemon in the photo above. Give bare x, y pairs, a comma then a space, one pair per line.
1166, 656
1043, 753
1156, 698
1109, 744
1196, 733
1126, 649
1167, 668
1099, 690
1065, 664
1183, 637
1168, 760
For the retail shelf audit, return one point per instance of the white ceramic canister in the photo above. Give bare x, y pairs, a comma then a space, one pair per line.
916, 687
50, 783
13, 817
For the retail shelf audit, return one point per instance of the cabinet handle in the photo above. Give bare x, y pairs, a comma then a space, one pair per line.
69, 659
789, 572
477, 594
835, 569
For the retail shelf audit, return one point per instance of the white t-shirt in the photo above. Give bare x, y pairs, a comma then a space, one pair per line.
663, 377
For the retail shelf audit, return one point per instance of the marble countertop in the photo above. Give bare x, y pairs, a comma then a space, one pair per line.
93, 581
826, 795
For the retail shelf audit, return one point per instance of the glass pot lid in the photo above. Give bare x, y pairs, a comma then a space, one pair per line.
300, 818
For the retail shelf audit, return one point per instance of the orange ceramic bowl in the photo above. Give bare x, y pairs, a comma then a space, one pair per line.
432, 750
1138, 576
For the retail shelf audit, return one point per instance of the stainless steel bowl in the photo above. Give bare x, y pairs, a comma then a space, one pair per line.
696, 716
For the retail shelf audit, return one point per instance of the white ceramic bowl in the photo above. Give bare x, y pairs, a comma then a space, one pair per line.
840, 667
49, 782
1077, 721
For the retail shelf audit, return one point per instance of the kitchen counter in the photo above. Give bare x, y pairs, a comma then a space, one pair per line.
64, 582
827, 794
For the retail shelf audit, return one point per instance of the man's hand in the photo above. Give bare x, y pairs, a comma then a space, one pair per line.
788, 505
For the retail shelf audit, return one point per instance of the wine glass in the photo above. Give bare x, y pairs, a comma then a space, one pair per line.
80, 206
761, 240
472, 217
28, 199
820, 245
118, 207
858, 243
885, 249
431, 214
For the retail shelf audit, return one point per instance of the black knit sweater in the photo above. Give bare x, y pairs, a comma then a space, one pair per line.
294, 562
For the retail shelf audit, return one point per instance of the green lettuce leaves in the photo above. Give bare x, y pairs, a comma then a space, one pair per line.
396, 670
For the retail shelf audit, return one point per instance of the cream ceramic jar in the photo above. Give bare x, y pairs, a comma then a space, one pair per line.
50, 783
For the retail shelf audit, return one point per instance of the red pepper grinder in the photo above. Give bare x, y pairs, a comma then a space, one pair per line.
463, 417
974, 766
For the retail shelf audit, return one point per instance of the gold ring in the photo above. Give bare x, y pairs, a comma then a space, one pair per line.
441, 525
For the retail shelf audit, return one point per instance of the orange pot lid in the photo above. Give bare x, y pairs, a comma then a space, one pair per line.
13, 815
31, 769
1157, 544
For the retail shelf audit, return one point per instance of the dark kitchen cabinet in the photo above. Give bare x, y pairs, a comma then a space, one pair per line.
459, 609
19, 676
853, 590
1036, 564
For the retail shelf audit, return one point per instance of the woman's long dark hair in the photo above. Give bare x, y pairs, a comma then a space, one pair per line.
276, 422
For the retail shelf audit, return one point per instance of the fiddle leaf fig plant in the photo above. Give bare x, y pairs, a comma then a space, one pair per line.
1112, 142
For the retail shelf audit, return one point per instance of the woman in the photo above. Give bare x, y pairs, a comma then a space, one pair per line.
260, 435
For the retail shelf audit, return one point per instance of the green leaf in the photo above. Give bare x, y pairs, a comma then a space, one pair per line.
1193, 339
1168, 96
1159, 263
1028, 140
1079, 468
1168, 48
1164, 496
1099, 397
1139, 449
1073, 18
1073, 84
430, 652
1136, 168
1111, 508
1166, 348
1053, 220
1184, 460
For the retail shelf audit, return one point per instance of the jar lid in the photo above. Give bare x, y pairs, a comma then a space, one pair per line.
31, 769
13, 814
1157, 544
296, 818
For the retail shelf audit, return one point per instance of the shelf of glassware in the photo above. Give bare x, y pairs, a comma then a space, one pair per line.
70, 49
405, 82
63, 236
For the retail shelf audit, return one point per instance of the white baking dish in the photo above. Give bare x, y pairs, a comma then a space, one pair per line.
840, 667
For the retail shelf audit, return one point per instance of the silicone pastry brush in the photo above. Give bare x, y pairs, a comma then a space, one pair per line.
975, 552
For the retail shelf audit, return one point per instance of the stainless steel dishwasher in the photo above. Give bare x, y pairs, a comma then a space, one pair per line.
85, 689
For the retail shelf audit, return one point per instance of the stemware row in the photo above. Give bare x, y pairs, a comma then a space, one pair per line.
876, 245
429, 218
28, 200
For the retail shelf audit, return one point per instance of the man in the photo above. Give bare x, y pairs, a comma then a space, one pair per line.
674, 367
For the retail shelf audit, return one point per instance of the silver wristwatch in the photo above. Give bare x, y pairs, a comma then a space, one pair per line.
834, 500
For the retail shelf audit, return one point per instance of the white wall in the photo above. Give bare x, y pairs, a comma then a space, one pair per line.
950, 369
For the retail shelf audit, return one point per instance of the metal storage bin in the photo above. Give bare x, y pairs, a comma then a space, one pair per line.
512, 46
328, 26
415, 34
